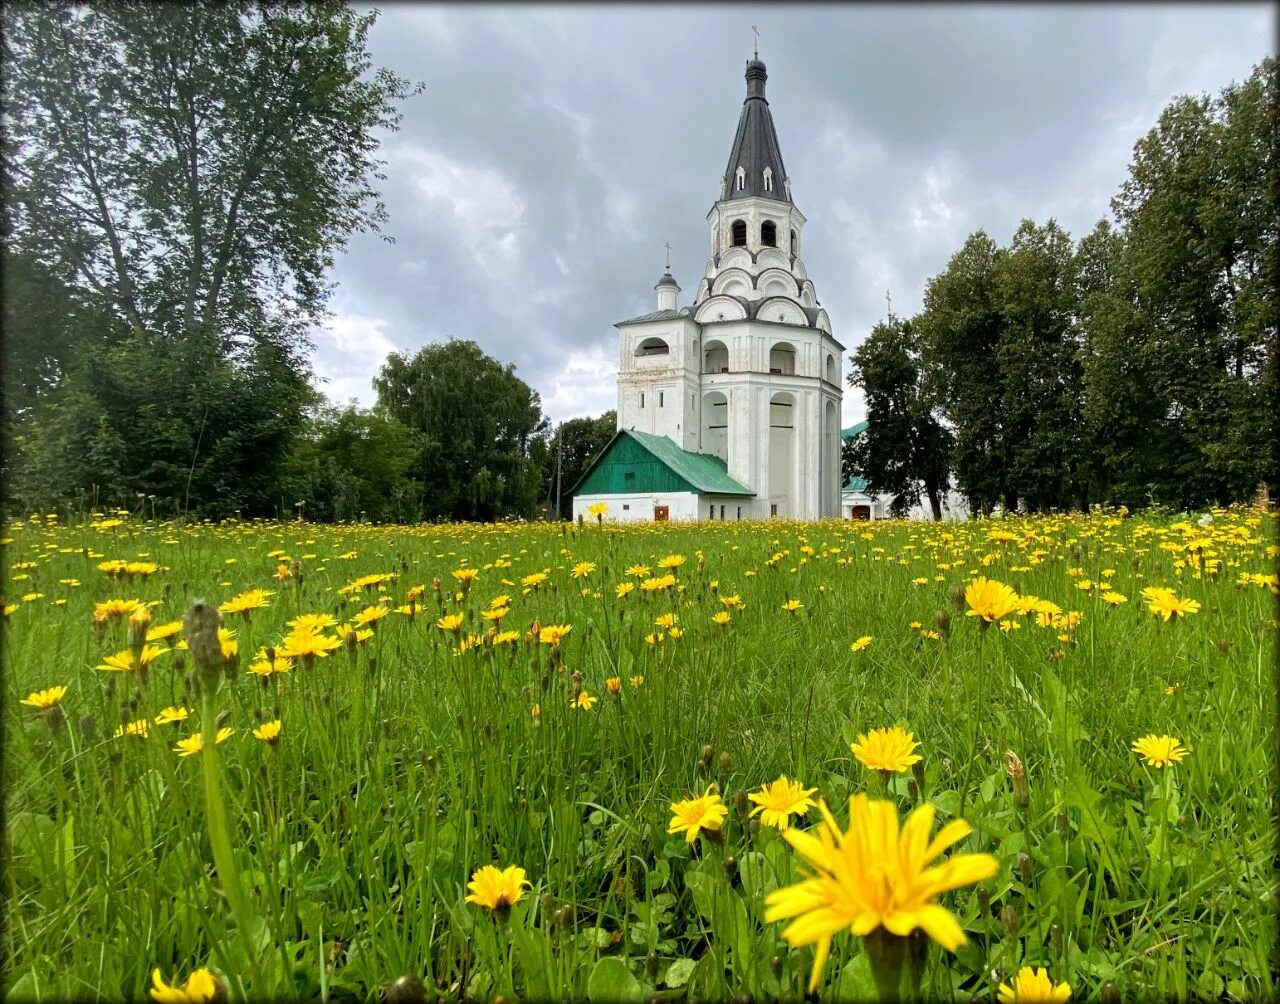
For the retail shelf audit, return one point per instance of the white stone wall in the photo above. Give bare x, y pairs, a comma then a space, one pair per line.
682, 506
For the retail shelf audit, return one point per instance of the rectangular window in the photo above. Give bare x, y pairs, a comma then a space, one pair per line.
773, 510
722, 512
626, 507
629, 478
739, 512
660, 399
712, 513
642, 399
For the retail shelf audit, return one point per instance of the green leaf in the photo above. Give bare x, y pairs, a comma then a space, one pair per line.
678, 972
611, 980
857, 982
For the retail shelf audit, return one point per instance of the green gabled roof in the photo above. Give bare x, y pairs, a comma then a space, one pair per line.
655, 464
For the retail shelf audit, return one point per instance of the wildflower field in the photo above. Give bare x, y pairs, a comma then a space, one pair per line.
1021, 758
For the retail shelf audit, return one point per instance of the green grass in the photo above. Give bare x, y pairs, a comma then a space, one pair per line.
403, 766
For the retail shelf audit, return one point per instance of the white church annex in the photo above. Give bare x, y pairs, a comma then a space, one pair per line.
730, 408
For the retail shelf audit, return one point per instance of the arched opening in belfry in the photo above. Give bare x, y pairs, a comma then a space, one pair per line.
782, 359
715, 425
782, 452
769, 234
653, 347
739, 232
715, 357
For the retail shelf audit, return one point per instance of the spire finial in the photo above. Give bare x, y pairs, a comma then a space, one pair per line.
756, 32
668, 247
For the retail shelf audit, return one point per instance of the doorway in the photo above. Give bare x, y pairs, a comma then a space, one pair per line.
660, 513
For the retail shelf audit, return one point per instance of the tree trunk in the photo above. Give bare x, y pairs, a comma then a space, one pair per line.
935, 501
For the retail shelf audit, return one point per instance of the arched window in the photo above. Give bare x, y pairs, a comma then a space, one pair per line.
768, 179
741, 180
768, 234
739, 233
794, 243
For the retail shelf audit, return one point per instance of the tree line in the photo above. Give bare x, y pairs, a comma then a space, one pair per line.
1135, 366
177, 182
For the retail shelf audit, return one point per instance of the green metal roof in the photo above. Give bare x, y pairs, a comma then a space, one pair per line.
636, 462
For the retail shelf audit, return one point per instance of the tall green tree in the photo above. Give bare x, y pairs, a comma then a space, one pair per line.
959, 330
905, 450
482, 430
192, 170
353, 464
1038, 358
1199, 214
574, 444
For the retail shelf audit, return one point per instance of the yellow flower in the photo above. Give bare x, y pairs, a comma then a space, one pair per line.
495, 614
174, 714
791, 606
123, 662
141, 727
201, 987
264, 667
989, 599
613, 685
1114, 598
1160, 751
268, 732
465, 575
45, 699
164, 632
450, 622
665, 621
347, 631
861, 643
110, 609
311, 623
721, 617
671, 561
497, 889
583, 701
638, 571
370, 615
535, 580
582, 569
254, 599
506, 637
553, 634
1165, 604
875, 875
693, 814
194, 743
886, 749
1033, 986
636, 681
779, 800
623, 589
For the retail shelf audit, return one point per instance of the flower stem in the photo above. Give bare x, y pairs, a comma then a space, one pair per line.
220, 841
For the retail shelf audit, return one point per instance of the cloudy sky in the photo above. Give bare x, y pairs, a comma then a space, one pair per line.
556, 148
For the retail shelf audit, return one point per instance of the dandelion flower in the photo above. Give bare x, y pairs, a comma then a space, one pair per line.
886, 749
1033, 986
173, 714
1160, 751
245, 603
582, 569
553, 634
583, 701
777, 801
450, 622
1166, 604
861, 643
875, 875
623, 589
497, 889
202, 986
268, 732
45, 699
693, 814
791, 606
123, 662
194, 743
721, 617
989, 599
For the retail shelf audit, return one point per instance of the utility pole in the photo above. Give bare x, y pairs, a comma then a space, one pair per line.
559, 460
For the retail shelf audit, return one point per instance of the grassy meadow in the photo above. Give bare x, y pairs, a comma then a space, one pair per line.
539, 696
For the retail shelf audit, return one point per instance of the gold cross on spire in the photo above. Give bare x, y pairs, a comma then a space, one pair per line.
757, 34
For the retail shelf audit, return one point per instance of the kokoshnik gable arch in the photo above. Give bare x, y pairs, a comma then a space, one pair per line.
748, 374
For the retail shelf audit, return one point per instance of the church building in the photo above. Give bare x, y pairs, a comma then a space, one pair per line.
729, 408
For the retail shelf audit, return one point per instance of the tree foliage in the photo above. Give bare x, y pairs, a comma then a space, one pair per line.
482, 431
905, 450
183, 175
575, 443
1136, 366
